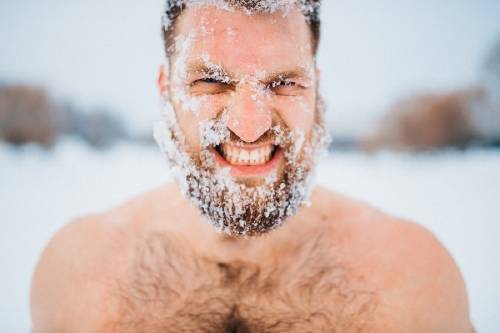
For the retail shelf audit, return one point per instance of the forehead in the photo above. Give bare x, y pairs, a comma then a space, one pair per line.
243, 42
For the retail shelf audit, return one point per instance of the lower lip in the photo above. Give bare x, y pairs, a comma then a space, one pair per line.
250, 170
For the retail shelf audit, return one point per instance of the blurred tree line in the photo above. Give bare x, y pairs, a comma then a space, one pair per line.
29, 115
427, 121
460, 119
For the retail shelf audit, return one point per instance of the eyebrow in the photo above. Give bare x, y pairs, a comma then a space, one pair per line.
200, 66
215, 69
298, 72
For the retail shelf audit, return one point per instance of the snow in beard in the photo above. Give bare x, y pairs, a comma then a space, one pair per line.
230, 206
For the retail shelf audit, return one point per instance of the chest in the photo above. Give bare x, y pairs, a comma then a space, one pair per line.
169, 289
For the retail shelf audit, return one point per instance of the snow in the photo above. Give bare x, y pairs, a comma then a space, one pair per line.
215, 131
454, 194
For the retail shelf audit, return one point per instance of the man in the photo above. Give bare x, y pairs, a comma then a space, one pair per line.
242, 126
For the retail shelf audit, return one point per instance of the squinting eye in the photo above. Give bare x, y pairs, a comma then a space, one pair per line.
209, 86
285, 87
282, 83
209, 80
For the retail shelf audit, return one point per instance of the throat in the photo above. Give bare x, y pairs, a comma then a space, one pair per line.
234, 247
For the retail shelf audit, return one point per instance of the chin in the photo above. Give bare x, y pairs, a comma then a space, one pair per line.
245, 199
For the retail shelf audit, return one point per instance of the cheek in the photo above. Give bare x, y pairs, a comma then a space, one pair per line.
189, 120
298, 112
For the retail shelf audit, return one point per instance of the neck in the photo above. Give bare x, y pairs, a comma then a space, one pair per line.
209, 241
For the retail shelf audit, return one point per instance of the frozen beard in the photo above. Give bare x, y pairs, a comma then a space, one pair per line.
238, 208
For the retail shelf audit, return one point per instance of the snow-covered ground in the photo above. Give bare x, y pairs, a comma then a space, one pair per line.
456, 195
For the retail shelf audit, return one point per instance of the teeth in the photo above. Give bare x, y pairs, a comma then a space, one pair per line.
255, 156
241, 156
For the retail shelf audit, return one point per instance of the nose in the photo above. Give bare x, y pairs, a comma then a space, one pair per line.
249, 116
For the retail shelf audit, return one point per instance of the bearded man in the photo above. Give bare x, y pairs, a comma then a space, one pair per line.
242, 127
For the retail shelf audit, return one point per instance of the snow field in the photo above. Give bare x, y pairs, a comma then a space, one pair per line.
456, 195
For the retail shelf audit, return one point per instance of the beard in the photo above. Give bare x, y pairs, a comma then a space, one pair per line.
238, 207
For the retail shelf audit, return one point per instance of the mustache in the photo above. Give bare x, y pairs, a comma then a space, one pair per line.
268, 137
276, 135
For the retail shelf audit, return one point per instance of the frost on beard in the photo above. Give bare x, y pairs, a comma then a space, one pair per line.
233, 207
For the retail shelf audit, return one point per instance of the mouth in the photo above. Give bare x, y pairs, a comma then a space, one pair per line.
248, 159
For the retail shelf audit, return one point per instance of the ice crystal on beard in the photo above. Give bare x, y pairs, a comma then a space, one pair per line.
234, 207
214, 132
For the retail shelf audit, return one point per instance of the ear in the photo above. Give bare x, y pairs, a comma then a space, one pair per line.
163, 80
318, 74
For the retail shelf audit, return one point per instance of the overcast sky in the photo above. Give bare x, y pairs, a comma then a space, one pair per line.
106, 53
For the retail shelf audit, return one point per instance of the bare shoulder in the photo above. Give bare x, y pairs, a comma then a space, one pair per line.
417, 276
73, 272
81, 260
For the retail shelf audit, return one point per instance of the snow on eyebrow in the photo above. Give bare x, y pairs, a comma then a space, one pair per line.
273, 77
212, 70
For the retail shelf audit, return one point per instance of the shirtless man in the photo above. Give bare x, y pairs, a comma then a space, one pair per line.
242, 126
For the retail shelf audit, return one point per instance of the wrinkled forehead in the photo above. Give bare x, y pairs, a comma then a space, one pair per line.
243, 42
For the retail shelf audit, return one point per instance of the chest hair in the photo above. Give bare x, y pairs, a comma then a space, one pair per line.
169, 289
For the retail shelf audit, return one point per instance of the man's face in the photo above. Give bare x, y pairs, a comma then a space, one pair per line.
243, 92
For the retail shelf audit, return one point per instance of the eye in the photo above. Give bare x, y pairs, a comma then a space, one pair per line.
209, 86
285, 87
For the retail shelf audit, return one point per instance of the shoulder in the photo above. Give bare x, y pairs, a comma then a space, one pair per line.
421, 271
81, 260
71, 274
408, 263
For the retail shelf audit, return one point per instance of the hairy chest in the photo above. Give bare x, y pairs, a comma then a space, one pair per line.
169, 289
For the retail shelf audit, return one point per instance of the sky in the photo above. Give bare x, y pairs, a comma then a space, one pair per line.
103, 53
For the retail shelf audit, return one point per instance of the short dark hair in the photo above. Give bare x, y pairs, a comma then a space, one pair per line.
310, 9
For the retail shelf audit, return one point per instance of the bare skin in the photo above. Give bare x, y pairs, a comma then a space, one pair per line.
338, 265
154, 265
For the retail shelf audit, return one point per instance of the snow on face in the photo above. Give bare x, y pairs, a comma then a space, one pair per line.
183, 46
232, 205
237, 208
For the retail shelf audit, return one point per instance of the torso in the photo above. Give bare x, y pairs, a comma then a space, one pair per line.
151, 265
170, 288
295, 280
